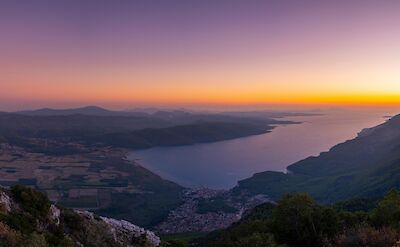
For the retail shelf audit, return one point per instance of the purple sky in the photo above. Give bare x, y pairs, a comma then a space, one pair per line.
122, 53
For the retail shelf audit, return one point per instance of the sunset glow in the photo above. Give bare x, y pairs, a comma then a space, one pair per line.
180, 53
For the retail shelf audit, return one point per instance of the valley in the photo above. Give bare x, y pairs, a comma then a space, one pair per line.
76, 171
78, 157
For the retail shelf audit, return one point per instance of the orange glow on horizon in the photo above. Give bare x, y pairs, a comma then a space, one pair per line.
252, 53
199, 96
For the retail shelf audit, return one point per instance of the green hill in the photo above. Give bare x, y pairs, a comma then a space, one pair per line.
297, 220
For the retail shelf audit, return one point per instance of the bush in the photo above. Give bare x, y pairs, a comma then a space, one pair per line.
369, 236
8, 237
298, 221
90, 234
349, 220
258, 240
72, 221
33, 240
32, 201
387, 213
175, 243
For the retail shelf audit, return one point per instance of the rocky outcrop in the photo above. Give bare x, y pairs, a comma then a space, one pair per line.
124, 232
55, 214
28, 215
5, 201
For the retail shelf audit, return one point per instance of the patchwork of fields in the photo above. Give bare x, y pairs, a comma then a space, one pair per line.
87, 180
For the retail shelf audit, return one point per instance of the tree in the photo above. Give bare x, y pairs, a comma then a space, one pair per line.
32, 201
34, 240
387, 213
298, 221
258, 240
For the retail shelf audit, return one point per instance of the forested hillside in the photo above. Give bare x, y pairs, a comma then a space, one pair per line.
297, 220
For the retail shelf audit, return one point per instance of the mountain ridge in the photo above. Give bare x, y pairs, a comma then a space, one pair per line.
85, 110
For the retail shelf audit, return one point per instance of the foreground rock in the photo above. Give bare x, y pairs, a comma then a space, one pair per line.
124, 232
27, 218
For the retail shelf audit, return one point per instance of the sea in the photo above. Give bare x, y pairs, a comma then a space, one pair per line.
220, 165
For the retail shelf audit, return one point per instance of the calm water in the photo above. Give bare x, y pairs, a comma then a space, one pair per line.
222, 164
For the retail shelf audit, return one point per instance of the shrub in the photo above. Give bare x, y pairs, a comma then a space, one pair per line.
369, 236
72, 221
298, 221
32, 201
8, 237
387, 213
258, 240
20, 221
175, 243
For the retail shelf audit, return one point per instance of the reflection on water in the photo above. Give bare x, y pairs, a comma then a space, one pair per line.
222, 164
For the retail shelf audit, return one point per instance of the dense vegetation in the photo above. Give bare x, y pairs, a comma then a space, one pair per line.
297, 220
367, 166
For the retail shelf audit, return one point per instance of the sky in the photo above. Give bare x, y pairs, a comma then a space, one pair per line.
124, 54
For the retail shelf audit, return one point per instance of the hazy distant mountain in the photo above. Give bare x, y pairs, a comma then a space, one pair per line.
151, 110
87, 110
94, 125
366, 166
270, 114
99, 111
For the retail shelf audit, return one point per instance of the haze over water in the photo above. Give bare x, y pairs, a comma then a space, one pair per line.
220, 165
